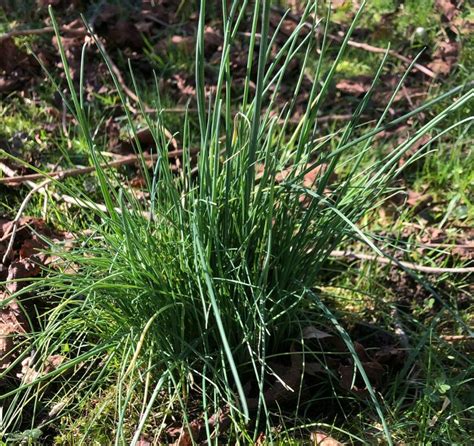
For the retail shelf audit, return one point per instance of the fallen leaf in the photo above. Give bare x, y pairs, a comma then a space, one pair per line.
12, 323
189, 434
322, 439
418, 200
353, 87
8, 85
182, 84
12, 56
21, 269
447, 8
338, 3
312, 332
212, 40
444, 58
30, 371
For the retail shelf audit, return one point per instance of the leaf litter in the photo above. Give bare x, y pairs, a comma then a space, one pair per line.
27, 260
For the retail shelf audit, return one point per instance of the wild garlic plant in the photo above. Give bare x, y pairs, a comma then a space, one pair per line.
186, 296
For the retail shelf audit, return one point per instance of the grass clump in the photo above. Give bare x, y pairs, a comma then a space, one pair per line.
178, 306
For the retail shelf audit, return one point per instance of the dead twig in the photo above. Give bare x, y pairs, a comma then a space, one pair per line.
457, 338
40, 31
131, 94
364, 46
18, 216
126, 160
87, 204
409, 265
375, 49
400, 331
115, 70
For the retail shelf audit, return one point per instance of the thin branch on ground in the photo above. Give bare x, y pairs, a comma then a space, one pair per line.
409, 265
18, 216
126, 160
82, 32
375, 49
399, 329
363, 46
457, 338
132, 95
328, 118
40, 31
87, 204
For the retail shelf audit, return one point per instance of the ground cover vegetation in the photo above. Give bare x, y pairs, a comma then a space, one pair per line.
236, 222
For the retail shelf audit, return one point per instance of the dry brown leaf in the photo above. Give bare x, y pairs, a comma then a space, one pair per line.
30, 372
322, 439
21, 269
7, 85
418, 201
339, 3
189, 435
312, 332
353, 87
444, 58
447, 8
212, 40
12, 56
12, 323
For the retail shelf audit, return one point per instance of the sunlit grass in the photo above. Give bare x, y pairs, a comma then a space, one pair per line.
176, 305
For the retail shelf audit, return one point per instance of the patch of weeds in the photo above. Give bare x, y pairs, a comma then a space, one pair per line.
418, 13
172, 56
350, 68
429, 398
